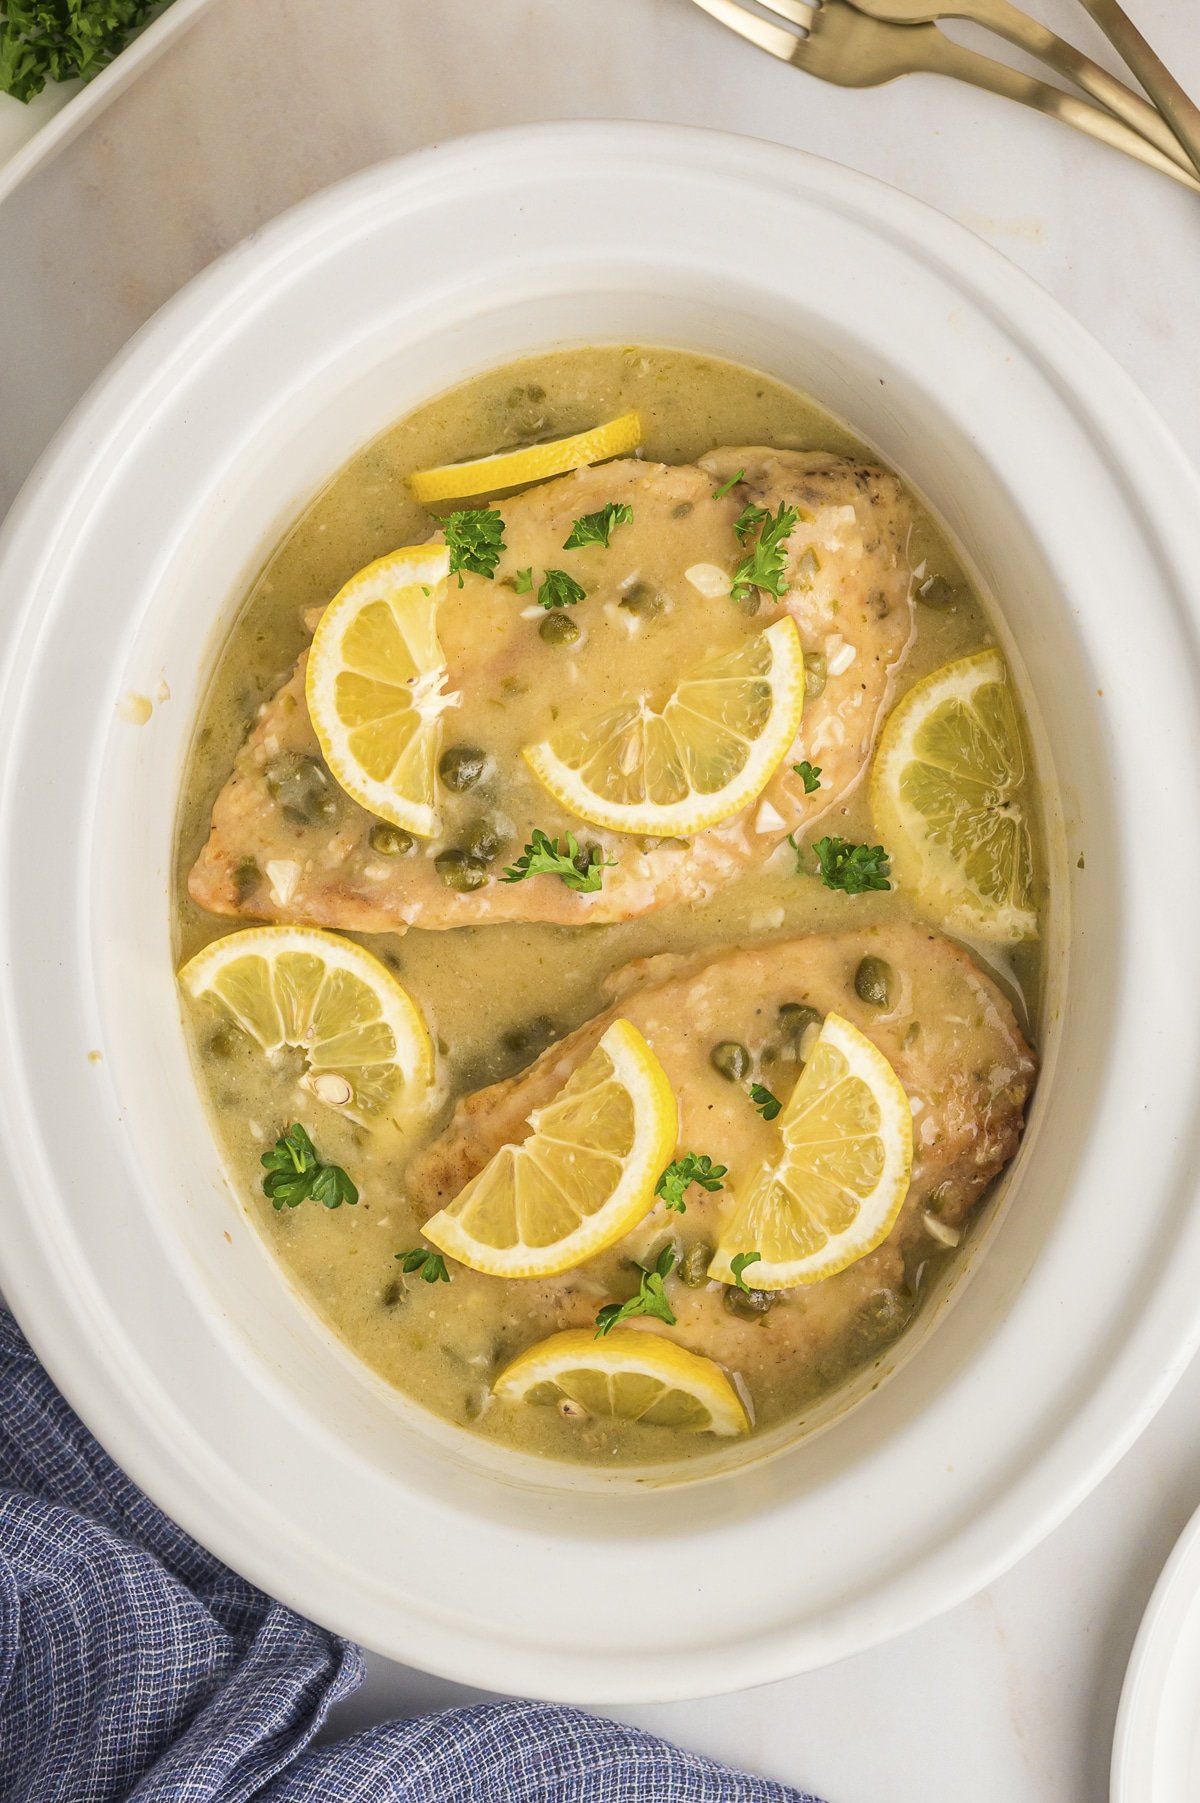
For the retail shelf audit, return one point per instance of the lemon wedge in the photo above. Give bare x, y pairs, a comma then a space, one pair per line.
365, 1045
530, 463
704, 755
584, 1177
842, 1173
630, 1376
950, 800
375, 686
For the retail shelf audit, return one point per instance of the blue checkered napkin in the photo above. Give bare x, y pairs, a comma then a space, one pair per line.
134, 1666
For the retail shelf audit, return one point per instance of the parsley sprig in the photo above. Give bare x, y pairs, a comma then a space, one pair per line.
475, 539
768, 1105
431, 1265
763, 568
651, 1298
809, 774
558, 589
295, 1174
596, 528
581, 868
738, 1264
693, 1167
851, 868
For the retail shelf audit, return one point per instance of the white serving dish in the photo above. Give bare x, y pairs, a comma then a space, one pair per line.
133, 1271
1156, 1747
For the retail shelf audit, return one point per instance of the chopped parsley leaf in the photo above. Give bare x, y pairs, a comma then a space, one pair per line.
748, 519
295, 1174
851, 868
738, 1264
523, 581
768, 1105
474, 538
763, 568
431, 1265
560, 590
693, 1167
650, 1300
809, 774
738, 476
580, 869
596, 528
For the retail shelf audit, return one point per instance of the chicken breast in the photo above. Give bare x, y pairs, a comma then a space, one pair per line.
287, 844
950, 1035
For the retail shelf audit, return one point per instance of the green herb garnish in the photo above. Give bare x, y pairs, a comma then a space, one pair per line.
739, 476
474, 539
764, 566
651, 1298
295, 1174
431, 1265
768, 1105
693, 1167
852, 868
809, 774
738, 1264
560, 590
596, 528
748, 519
523, 581
580, 869
57, 40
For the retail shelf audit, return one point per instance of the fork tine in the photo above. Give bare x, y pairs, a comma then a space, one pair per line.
768, 37
797, 12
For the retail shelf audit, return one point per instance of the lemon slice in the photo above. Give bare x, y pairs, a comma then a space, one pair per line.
584, 1177
950, 800
706, 754
836, 1188
375, 685
630, 1376
532, 463
365, 1045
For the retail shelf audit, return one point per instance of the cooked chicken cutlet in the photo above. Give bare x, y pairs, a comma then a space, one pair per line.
949, 1034
287, 844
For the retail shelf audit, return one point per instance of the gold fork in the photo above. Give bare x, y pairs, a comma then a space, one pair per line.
852, 50
1030, 35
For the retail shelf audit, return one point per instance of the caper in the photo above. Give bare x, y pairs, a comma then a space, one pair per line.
644, 601
937, 1198
877, 1323
797, 1017
935, 591
461, 767
815, 672
873, 981
460, 872
482, 842
245, 877
693, 1266
681, 509
749, 1304
389, 841
221, 1043
731, 1059
748, 602
558, 628
807, 567
532, 1038
303, 788
391, 1294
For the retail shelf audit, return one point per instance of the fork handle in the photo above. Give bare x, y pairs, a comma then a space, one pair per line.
945, 57
1181, 113
1031, 35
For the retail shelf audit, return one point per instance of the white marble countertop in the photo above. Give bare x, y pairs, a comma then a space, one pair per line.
1012, 1695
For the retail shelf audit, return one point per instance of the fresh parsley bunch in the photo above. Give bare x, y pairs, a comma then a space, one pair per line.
57, 40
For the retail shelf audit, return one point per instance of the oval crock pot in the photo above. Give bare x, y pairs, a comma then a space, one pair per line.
137, 1276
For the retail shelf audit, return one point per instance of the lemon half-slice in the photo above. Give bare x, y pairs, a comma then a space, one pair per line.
375, 685
704, 755
530, 463
584, 1177
842, 1173
951, 802
629, 1376
364, 1042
